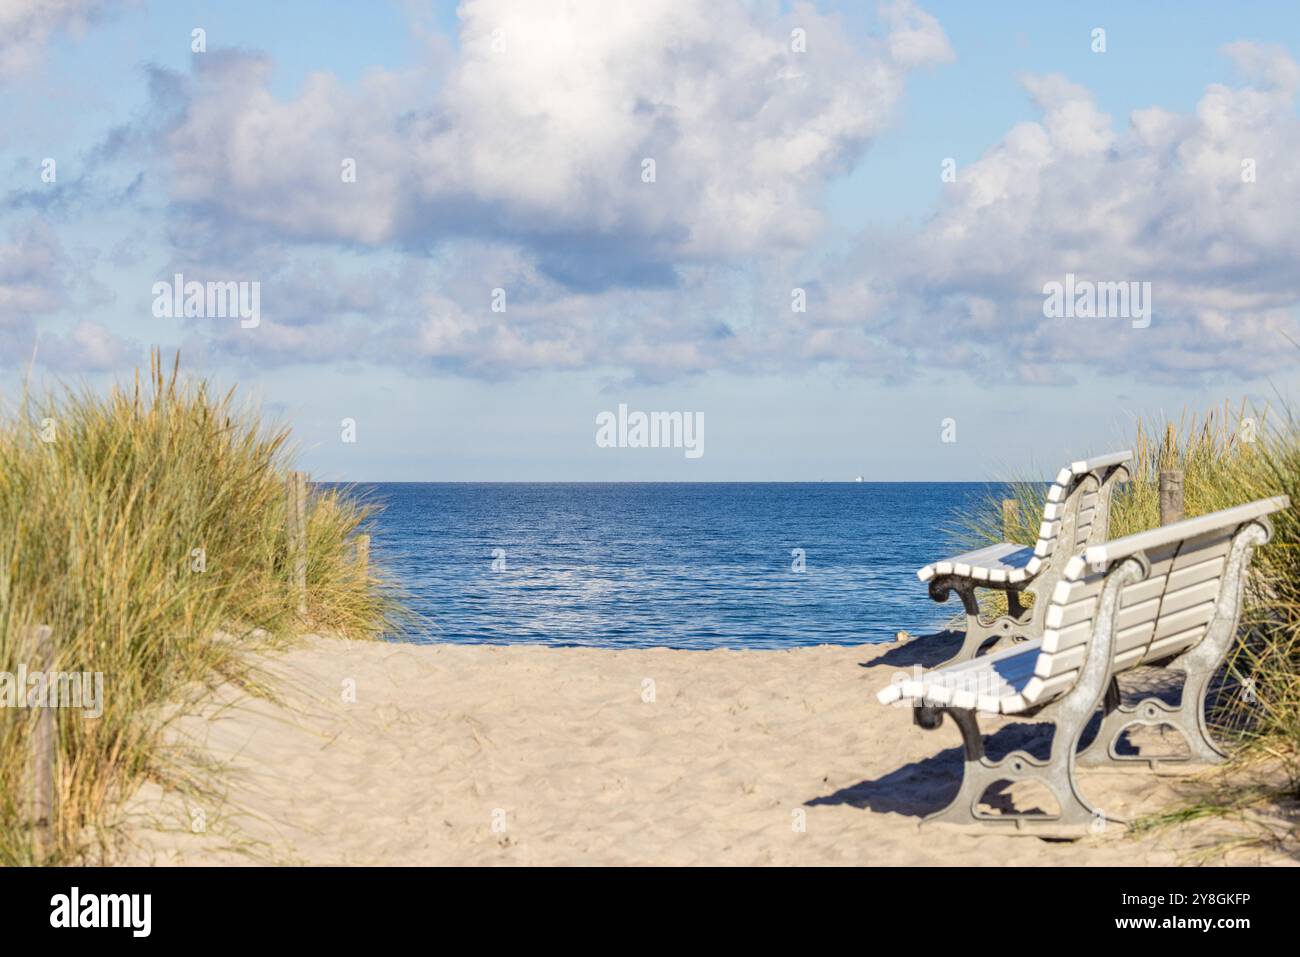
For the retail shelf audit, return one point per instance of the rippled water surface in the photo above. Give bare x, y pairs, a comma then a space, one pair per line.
680, 565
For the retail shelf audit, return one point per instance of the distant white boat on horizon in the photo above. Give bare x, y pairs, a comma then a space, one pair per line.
858, 479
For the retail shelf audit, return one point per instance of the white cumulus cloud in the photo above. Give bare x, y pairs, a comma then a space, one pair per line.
543, 128
26, 26
1200, 205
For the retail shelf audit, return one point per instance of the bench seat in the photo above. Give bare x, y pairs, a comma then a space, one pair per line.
1004, 562
992, 684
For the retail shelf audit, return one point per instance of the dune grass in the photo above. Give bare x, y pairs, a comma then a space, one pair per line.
148, 529
1223, 455
1227, 456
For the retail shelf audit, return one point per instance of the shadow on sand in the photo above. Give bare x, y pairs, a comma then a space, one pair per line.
928, 651
928, 785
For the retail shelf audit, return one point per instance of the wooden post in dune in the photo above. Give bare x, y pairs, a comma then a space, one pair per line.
297, 517
363, 555
1010, 515
1171, 496
43, 747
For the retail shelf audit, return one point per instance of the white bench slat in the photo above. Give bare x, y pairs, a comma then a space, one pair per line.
981, 684
1176, 600
1195, 574
1044, 689
1181, 620
1062, 661
1161, 649
1118, 548
994, 563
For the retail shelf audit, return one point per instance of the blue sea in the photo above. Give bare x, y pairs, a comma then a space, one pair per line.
692, 565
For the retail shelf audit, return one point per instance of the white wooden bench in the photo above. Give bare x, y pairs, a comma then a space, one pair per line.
1076, 515
1170, 596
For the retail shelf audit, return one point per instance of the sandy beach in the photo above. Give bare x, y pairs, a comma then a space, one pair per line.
380, 753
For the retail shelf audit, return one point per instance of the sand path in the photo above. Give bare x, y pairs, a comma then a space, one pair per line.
452, 754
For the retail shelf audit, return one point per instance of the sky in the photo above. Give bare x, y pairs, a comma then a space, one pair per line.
826, 232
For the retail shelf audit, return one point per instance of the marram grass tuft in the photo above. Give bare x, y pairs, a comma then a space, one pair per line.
143, 526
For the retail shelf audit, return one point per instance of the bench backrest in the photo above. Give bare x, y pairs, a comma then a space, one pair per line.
1078, 505
1077, 510
1164, 614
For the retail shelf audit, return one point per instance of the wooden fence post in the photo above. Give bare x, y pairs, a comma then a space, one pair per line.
297, 513
363, 555
43, 747
1010, 517
1171, 496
